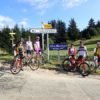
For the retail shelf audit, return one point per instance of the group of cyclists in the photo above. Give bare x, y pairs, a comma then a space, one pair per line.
22, 49
82, 52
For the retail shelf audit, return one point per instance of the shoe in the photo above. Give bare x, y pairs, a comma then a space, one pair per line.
21, 69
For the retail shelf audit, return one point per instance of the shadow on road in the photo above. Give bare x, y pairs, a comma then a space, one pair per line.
4, 68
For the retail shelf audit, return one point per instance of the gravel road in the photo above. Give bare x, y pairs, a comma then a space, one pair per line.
48, 85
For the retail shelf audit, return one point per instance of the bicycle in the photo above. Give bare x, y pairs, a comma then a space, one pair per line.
95, 66
17, 65
78, 64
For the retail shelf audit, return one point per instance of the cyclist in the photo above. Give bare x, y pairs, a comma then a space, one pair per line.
97, 53
82, 51
37, 47
72, 53
29, 47
19, 51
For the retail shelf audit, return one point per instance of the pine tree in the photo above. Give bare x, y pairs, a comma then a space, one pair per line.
73, 31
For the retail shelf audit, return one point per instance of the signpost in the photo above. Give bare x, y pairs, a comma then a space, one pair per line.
58, 46
44, 31
12, 37
41, 30
47, 26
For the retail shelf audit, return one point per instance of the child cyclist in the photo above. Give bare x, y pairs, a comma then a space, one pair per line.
97, 54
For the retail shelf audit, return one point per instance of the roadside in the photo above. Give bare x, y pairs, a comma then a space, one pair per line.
46, 69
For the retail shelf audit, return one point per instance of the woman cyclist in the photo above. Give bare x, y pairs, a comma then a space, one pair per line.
72, 53
19, 51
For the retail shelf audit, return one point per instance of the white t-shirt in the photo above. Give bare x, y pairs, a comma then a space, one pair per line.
29, 45
82, 51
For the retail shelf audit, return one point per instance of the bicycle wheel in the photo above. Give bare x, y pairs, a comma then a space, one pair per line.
34, 64
92, 65
84, 69
97, 65
66, 65
15, 67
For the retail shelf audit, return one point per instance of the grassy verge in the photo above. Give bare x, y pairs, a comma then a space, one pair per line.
6, 57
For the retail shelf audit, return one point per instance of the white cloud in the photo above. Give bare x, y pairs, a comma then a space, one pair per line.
24, 10
6, 21
72, 3
23, 22
40, 5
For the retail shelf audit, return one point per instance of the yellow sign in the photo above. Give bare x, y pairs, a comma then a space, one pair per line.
47, 26
12, 33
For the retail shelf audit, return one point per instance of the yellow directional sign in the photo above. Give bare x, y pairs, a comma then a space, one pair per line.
12, 33
47, 26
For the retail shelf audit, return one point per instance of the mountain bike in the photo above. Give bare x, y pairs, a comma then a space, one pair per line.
79, 64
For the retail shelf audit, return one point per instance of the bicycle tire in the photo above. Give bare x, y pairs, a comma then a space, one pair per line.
14, 68
65, 64
34, 65
97, 67
92, 65
84, 71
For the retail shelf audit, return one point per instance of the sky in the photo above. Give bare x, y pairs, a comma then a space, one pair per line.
31, 13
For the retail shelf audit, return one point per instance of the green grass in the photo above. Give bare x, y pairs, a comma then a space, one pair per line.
90, 44
6, 57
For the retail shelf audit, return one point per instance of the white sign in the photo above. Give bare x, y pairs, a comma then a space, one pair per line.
40, 30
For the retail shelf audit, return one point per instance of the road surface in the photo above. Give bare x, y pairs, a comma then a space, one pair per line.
48, 85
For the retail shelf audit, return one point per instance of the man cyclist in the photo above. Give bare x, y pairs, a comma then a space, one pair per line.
82, 51
97, 53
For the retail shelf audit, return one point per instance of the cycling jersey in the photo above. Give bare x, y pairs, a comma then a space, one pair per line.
82, 51
98, 51
72, 51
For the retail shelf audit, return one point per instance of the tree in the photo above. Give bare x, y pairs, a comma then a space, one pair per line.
85, 34
5, 41
98, 24
98, 27
61, 32
91, 27
61, 35
16, 30
73, 31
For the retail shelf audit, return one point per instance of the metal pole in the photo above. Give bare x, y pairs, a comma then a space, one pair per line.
43, 41
58, 56
48, 45
42, 37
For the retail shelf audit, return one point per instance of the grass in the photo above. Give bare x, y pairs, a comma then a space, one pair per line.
6, 57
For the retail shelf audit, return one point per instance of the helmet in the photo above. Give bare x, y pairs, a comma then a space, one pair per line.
98, 43
37, 37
